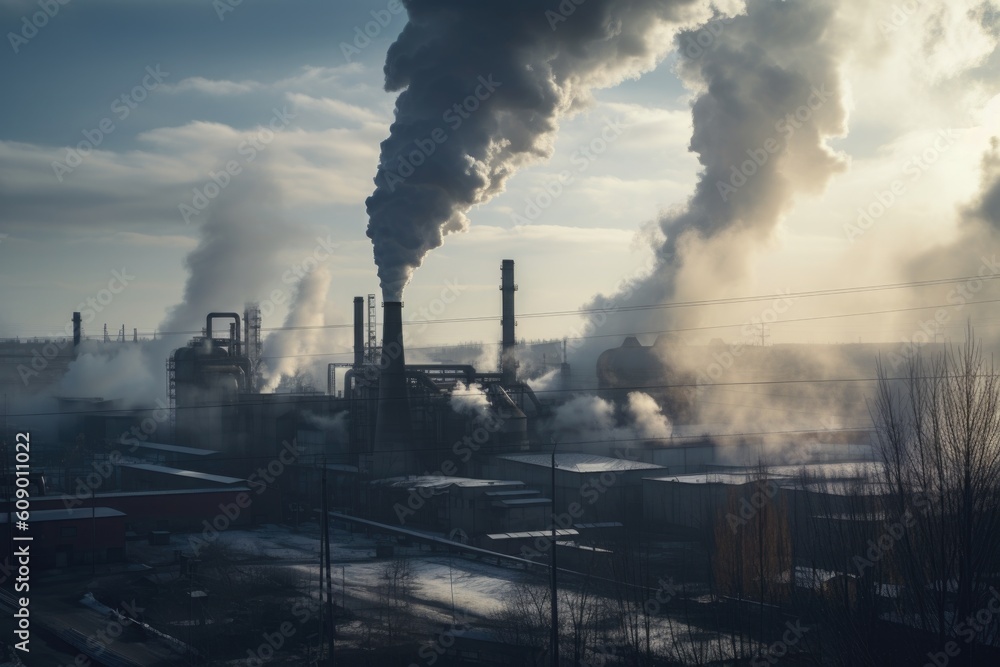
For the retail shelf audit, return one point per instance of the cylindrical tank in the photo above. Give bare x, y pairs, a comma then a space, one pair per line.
207, 383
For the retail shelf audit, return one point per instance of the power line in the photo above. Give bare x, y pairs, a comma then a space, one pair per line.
321, 397
655, 306
599, 441
670, 331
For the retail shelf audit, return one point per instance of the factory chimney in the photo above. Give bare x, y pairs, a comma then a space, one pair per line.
77, 332
508, 362
359, 331
393, 434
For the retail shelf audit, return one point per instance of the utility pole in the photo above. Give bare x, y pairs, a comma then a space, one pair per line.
763, 335
554, 639
329, 577
8, 495
93, 532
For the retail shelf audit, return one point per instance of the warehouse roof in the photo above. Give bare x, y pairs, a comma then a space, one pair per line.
442, 482
515, 492
193, 474
175, 449
560, 532
163, 492
522, 502
709, 478
581, 463
70, 514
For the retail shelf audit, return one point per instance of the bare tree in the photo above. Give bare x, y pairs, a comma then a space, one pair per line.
938, 446
523, 618
838, 585
395, 591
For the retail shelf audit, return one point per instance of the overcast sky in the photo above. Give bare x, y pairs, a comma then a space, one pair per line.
168, 93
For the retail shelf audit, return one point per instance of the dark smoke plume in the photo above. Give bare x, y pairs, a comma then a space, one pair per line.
484, 85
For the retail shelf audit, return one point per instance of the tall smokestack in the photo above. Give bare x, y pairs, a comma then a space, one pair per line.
359, 331
76, 330
393, 434
508, 364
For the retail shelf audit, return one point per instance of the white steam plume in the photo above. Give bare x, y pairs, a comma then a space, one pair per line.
590, 418
469, 400
291, 349
768, 96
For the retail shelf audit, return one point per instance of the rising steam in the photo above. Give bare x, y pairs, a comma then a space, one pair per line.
236, 259
291, 349
768, 97
469, 399
237, 256
588, 418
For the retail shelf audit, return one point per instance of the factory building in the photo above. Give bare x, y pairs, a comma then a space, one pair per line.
174, 510
594, 488
634, 366
461, 507
393, 444
68, 537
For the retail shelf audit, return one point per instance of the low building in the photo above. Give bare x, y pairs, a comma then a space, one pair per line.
148, 476
67, 537
688, 501
589, 487
172, 455
176, 510
459, 507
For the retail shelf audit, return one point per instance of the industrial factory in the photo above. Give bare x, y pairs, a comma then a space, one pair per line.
640, 461
518, 465
443, 447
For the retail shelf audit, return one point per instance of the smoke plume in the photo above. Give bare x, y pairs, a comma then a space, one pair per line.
237, 257
335, 425
767, 97
484, 85
978, 230
468, 399
113, 372
647, 416
290, 349
588, 419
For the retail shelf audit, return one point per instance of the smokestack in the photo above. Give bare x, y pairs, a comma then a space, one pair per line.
508, 364
77, 332
359, 331
393, 434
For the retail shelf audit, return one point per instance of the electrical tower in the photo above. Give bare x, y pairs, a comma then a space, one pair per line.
764, 334
371, 352
254, 346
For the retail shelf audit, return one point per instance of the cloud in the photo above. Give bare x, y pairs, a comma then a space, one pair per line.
161, 241
220, 88
333, 107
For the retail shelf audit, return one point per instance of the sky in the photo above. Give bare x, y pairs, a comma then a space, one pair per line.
167, 159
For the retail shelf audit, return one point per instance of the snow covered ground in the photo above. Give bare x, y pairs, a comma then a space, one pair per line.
444, 587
